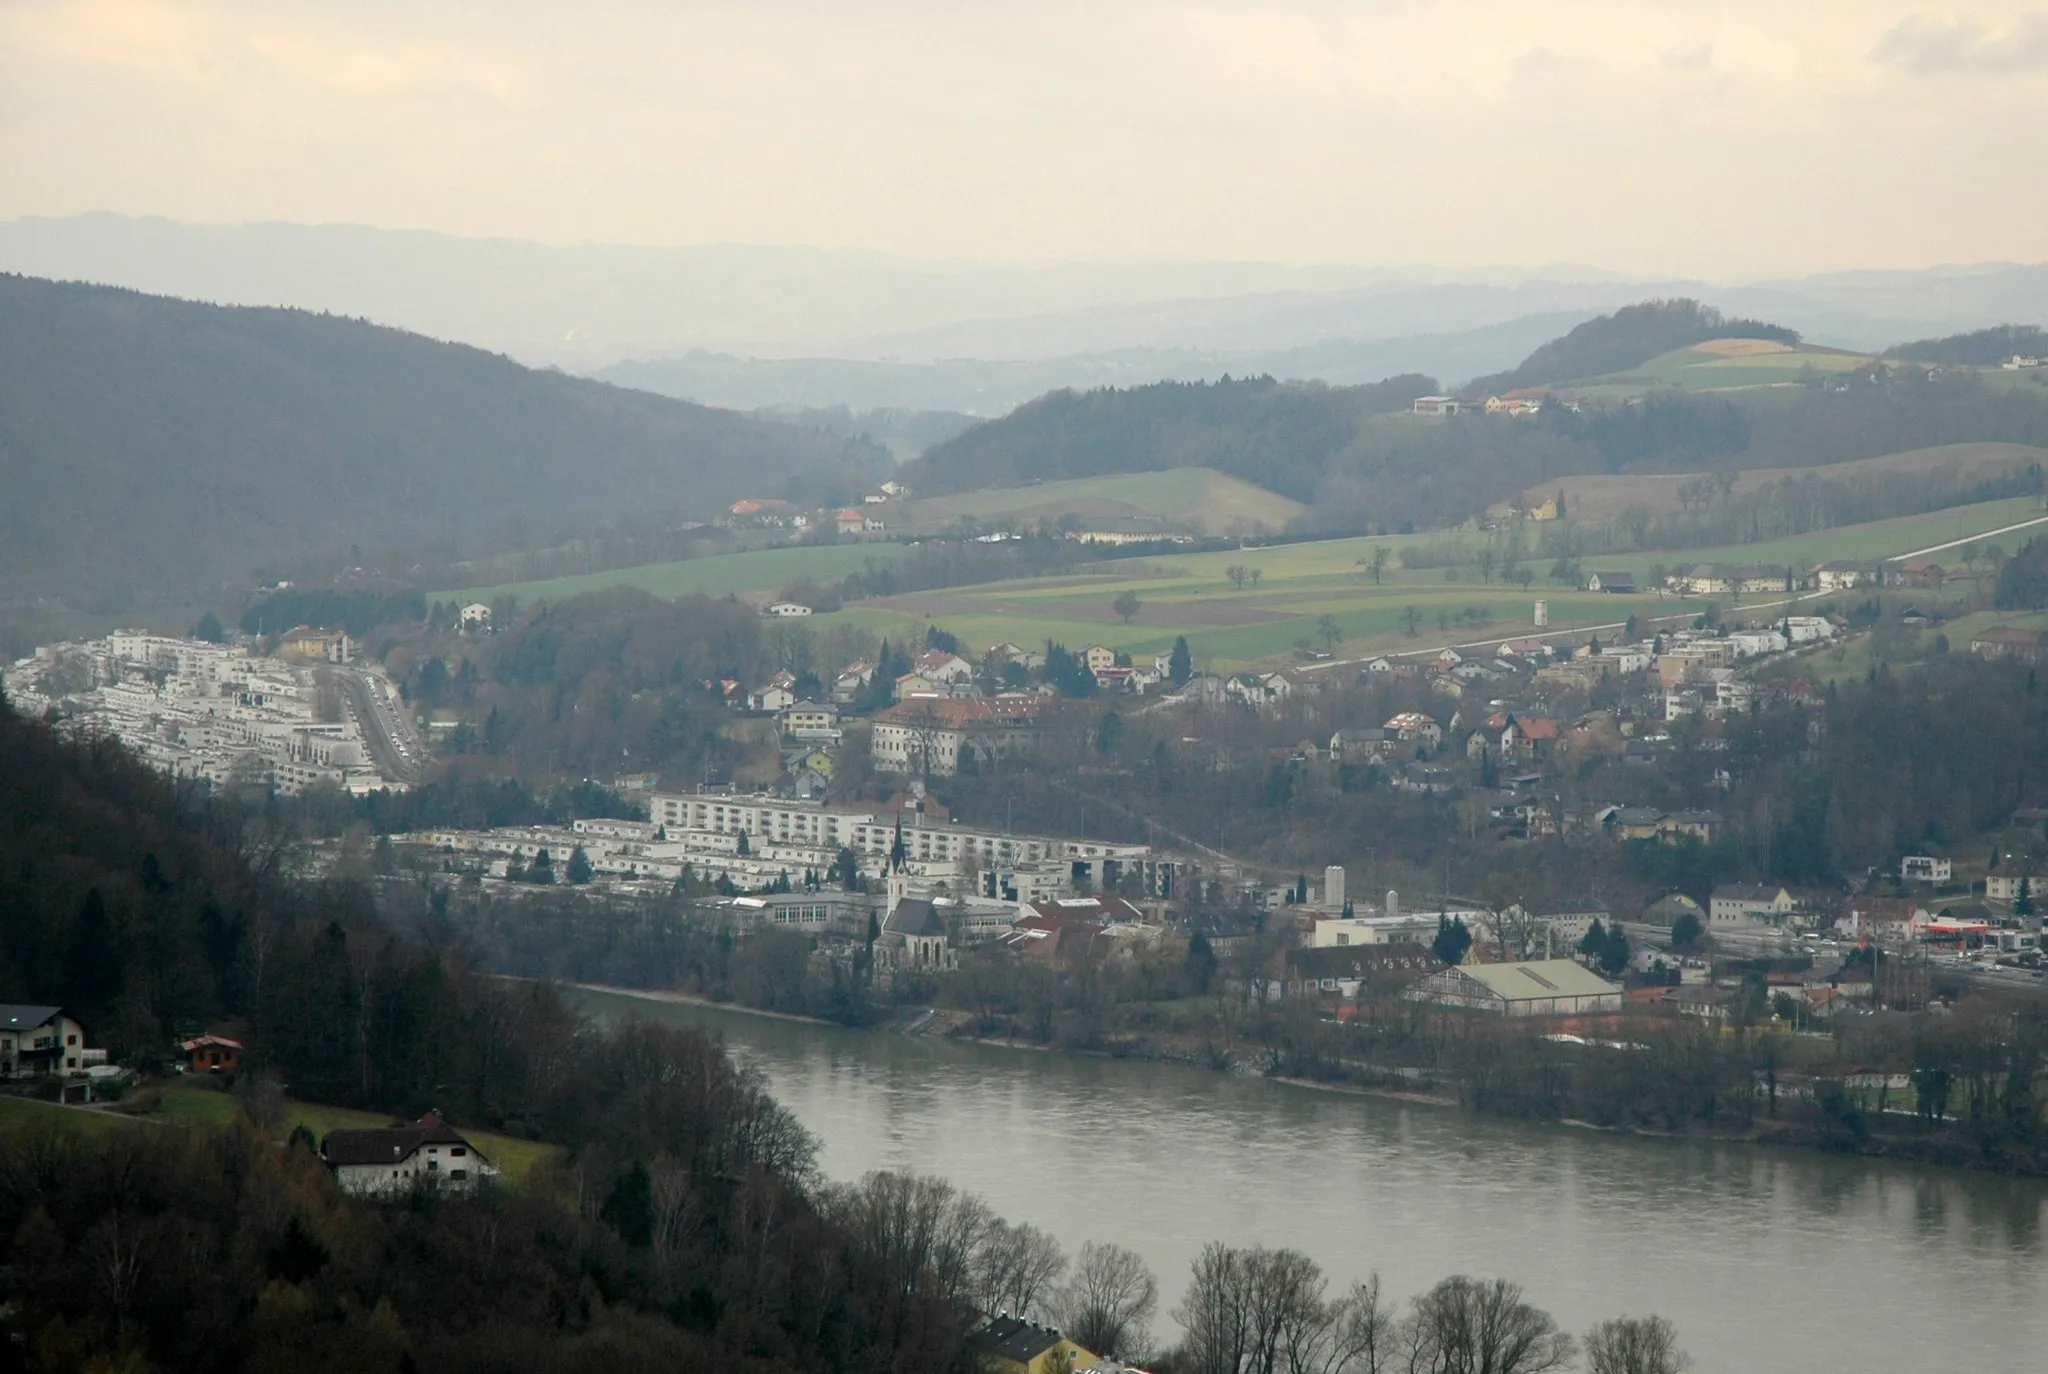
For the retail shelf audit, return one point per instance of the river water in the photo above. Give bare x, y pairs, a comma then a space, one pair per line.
1766, 1259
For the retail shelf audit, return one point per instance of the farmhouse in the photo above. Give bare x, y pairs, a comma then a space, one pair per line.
2007, 642
1618, 582
379, 1163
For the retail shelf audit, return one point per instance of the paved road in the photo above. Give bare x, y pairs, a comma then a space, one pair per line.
393, 744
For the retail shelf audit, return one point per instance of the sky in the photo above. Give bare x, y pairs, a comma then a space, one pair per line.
1714, 138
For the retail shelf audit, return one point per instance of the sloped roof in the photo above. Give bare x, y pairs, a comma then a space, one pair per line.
915, 916
21, 1016
1007, 1338
1539, 980
391, 1145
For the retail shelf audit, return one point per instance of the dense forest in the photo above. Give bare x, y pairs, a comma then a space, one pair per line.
1628, 338
1363, 468
153, 450
1978, 348
1278, 436
681, 1224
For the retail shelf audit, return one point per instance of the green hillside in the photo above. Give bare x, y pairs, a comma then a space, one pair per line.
760, 570
1231, 625
153, 450
1202, 500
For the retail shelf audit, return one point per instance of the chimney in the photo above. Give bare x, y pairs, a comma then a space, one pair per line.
1333, 887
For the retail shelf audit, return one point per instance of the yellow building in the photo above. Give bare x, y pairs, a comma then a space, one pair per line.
1010, 1346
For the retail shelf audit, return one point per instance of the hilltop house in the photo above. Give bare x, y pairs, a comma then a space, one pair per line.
40, 1042
929, 734
380, 1163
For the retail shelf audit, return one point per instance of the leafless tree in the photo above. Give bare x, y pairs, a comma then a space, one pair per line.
1482, 1326
1635, 1345
1260, 1311
1016, 1269
1108, 1303
1237, 572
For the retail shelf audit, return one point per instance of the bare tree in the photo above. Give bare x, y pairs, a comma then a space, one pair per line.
1487, 560
1410, 618
1635, 1345
1126, 605
1482, 1326
1261, 1311
1016, 1269
1255, 574
1237, 573
1330, 630
1108, 1303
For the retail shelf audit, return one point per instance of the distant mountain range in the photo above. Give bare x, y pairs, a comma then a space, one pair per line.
153, 451
753, 326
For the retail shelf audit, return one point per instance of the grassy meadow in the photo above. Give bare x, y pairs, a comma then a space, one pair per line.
1229, 626
187, 1104
757, 570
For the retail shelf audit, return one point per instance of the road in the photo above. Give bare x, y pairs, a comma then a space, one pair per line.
387, 732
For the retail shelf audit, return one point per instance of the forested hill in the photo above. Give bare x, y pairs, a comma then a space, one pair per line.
1628, 338
152, 448
1980, 348
1280, 436
1362, 462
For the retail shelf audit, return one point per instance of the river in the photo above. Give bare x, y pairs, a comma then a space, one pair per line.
1767, 1259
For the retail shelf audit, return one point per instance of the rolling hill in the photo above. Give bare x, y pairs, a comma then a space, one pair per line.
1198, 499
1625, 340
153, 450
1603, 496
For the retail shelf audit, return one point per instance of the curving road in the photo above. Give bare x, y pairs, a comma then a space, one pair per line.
387, 731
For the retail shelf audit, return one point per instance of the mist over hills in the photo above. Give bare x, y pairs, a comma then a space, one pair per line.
153, 449
985, 387
939, 335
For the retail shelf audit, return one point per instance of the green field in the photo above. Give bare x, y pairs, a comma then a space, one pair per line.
190, 1105
1704, 369
1229, 627
1200, 499
760, 570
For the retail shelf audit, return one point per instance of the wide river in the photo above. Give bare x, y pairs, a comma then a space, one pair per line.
1766, 1259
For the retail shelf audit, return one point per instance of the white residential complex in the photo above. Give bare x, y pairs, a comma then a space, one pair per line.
211, 712
755, 840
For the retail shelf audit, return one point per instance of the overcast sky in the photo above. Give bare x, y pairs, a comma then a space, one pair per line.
1699, 137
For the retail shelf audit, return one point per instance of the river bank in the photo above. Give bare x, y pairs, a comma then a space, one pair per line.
956, 1027
1756, 1254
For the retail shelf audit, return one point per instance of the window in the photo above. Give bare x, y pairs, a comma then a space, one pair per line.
459, 1173
70, 1039
458, 1152
433, 1165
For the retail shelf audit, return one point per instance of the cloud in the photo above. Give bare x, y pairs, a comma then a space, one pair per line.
1964, 47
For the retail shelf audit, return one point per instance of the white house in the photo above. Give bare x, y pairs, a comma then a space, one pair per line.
397, 1159
2005, 887
1748, 904
1926, 868
476, 616
40, 1042
784, 610
943, 669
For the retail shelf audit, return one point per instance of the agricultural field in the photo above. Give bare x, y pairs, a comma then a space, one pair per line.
1231, 626
759, 570
1728, 365
1200, 499
1601, 496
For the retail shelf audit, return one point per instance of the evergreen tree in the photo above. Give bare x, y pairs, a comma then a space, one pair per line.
1452, 939
580, 871
543, 869
1180, 666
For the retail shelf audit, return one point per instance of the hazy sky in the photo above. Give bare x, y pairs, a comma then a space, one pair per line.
1709, 137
